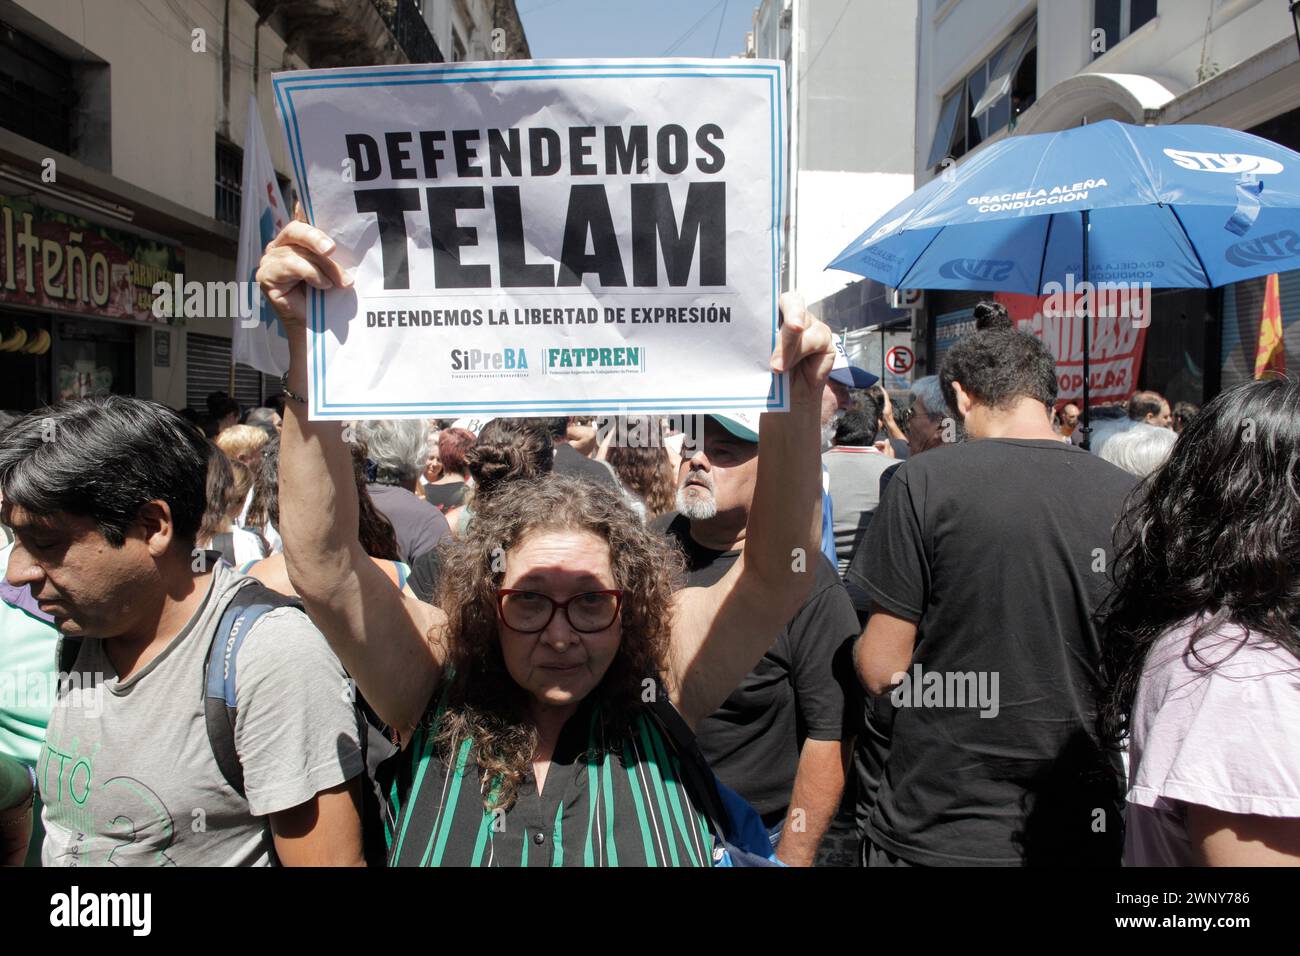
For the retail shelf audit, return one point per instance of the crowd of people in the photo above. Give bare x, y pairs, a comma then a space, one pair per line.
599, 642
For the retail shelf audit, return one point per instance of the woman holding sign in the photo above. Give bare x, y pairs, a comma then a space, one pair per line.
530, 702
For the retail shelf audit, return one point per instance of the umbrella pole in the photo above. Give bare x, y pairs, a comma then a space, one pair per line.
1086, 444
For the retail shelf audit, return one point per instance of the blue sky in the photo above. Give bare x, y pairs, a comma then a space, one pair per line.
617, 28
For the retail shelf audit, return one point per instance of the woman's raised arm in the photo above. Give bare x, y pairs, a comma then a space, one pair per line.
381, 636
721, 632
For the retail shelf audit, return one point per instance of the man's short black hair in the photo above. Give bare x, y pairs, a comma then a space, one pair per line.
558, 427
858, 427
991, 315
861, 423
105, 458
998, 367
220, 405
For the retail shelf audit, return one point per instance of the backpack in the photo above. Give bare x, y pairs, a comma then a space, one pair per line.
250, 603
739, 837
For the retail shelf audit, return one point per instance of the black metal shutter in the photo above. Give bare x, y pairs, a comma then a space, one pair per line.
207, 370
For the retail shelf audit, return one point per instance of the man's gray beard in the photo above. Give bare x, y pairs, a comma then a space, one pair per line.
697, 507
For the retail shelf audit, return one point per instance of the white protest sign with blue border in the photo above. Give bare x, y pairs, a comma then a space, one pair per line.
543, 237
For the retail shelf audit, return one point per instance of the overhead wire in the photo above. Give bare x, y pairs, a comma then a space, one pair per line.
686, 36
718, 34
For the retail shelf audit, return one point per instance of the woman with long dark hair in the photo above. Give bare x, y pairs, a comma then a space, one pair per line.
1202, 647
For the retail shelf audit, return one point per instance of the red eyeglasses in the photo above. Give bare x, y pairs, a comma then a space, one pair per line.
530, 612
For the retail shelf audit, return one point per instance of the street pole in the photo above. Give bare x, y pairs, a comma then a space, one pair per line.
882, 356
1086, 444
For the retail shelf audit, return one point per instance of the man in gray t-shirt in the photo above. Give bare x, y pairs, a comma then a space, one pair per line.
127, 774
854, 466
127, 771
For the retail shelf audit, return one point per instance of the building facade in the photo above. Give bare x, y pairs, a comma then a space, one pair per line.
475, 29
850, 71
987, 69
121, 137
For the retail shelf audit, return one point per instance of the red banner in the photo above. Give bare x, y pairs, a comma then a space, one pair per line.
1116, 347
51, 260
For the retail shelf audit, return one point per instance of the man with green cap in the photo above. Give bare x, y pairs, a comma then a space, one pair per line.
779, 740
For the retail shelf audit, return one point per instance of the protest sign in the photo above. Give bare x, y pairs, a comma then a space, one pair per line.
1118, 335
543, 238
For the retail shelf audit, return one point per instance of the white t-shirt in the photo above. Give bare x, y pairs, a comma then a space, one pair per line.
248, 547
1220, 732
273, 538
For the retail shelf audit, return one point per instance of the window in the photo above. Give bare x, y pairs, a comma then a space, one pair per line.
38, 91
1118, 18
991, 97
1011, 75
947, 124
230, 173
229, 183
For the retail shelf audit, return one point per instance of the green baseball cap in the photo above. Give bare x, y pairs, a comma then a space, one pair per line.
742, 424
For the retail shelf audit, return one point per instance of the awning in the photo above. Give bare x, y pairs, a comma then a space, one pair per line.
1013, 55
947, 123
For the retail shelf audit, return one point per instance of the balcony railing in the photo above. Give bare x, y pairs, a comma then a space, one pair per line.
356, 32
407, 25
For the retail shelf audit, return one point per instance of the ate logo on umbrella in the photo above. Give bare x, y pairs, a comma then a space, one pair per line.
1270, 248
1240, 163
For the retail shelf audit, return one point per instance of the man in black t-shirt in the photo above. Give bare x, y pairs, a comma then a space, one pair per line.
984, 589
777, 740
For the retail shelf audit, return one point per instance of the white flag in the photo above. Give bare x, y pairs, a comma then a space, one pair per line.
258, 337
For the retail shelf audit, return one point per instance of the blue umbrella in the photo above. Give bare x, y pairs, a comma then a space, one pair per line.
1172, 206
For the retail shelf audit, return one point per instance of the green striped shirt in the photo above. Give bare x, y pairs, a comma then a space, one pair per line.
626, 805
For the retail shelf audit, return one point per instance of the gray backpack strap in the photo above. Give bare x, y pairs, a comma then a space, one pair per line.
220, 705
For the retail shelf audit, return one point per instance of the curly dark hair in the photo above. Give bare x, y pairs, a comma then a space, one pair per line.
480, 700
999, 366
991, 315
509, 450
1212, 536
